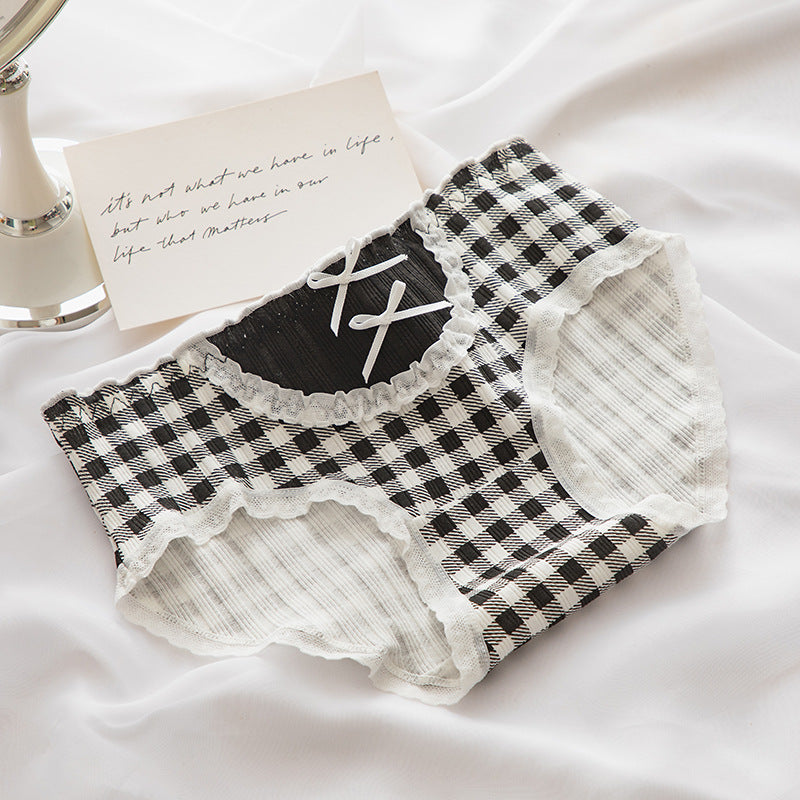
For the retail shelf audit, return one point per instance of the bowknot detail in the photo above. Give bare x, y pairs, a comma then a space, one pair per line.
360, 322
323, 280
383, 320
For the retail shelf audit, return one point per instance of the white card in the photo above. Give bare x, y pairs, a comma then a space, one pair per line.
238, 203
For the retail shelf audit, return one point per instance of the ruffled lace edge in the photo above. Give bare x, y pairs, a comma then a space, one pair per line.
458, 617
320, 408
541, 358
503, 148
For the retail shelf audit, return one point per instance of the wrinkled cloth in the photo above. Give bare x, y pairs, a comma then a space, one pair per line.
678, 684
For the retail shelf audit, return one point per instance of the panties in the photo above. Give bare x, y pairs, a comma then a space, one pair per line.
438, 443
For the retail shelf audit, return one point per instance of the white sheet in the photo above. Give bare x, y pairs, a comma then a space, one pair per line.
682, 682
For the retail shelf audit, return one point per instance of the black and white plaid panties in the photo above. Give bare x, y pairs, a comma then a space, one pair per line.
438, 443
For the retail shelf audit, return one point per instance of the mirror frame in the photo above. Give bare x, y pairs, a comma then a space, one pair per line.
21, 29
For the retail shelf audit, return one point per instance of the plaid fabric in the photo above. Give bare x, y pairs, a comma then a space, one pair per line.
462, 458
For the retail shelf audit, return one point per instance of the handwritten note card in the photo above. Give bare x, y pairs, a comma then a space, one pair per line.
236, 204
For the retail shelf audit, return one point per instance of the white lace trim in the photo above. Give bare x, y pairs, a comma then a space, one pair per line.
563, 453
458, 617
321, 408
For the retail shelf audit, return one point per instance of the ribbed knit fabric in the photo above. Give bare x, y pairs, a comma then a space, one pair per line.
510, 408
623, 375
265, 578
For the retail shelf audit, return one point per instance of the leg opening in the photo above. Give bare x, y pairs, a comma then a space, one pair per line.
328, 581
629, 408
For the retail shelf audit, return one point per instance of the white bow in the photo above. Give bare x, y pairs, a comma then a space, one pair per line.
383, 320
322, 280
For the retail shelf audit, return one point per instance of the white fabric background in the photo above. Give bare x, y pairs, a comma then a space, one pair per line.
684, 681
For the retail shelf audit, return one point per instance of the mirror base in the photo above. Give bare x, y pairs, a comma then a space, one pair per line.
67, 315
51, 280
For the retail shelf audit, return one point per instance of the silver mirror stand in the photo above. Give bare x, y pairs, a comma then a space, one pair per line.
49, 276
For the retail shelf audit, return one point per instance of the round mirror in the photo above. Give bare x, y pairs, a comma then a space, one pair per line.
21, 21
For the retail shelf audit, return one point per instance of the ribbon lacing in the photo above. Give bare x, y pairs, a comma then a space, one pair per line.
382, 321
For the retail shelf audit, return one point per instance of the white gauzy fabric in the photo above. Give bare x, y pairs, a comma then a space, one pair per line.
683, 681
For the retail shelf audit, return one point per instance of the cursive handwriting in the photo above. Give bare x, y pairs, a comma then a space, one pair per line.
118, 203
311, 182
127, 253
239, 224
131, 227
247, 199
354, 143
277, 163
254, 170
167, 204
170, 215
172, 240
166, 192
216, 181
